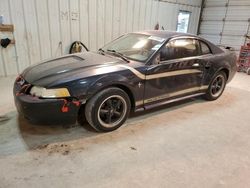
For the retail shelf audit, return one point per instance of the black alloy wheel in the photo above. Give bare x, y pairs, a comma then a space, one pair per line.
108, 109
216, 86
112, 111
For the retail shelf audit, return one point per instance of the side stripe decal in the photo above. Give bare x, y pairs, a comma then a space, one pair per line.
172, 73
169, 95
136, 72
160, 75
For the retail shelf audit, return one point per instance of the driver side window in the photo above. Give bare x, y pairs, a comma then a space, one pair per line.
179, 48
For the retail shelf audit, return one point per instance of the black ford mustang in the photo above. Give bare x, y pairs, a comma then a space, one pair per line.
137, 71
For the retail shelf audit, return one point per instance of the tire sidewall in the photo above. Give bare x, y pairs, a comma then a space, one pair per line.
248, 71
209, 95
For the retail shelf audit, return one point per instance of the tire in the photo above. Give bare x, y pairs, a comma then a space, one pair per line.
248, 71
108, 110
81, 116
216, 86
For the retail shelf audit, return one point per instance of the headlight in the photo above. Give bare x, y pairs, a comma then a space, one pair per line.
49, 93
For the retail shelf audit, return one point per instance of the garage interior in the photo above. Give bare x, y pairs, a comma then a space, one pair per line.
192, 143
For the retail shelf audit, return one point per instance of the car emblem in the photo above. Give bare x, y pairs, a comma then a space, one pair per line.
139, 84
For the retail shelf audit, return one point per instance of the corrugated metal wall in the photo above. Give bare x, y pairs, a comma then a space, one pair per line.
226, 22
46, 28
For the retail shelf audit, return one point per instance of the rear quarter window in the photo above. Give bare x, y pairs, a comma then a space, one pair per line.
204, 48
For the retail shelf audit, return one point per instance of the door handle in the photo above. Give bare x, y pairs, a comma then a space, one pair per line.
196, 65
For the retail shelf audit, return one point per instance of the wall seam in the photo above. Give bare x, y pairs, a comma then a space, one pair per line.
133, 15
119, 31
39, 36
4, 66
224, 20
14, 35
79, 23
145, 8
88, 26
26, 33
126, 18
104, 20
60, 26
139, 15
112, 22
184, 4
70, 24
97, 19
49, 28
151, 12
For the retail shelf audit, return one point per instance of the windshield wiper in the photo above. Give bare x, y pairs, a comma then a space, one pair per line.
118, 54
101, 51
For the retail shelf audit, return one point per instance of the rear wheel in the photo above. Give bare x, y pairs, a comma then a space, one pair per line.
217, 86
248, 71
108, 110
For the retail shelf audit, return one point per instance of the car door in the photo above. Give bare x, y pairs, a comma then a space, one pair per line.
178, 72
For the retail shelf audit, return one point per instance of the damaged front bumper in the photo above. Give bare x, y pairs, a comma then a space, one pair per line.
45, 111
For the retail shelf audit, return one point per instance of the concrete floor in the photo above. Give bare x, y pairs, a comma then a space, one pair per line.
194, 143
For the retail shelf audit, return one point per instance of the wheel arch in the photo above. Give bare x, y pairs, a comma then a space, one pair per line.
128, 91
81, 111
121, 86
223, 65
226, 70
213, 72
115, 80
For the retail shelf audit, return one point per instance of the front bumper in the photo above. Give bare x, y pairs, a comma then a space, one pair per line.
45, 111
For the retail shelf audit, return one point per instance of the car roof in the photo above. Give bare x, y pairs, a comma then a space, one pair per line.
171, 34
164, 33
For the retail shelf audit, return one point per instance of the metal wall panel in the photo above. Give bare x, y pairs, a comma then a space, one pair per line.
190, 2
22, 52
8, 59
238, 13
195, 3
211, 27
46, 28
100, 22
226, 22
32, 32
216, 3
65, 29
239, 3
213, 13
84, 21
165, 11
233, 41
55, 31
232, 28
213, 38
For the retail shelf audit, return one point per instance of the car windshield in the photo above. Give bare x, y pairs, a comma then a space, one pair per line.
134, 46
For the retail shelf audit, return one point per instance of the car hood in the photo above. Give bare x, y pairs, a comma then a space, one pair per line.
67, 67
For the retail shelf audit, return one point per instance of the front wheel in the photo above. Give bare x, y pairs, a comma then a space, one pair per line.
108, 109
216, 86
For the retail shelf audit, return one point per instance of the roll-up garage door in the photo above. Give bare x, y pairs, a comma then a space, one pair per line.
226, 22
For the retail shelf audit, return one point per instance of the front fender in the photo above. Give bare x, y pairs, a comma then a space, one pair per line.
117, 80
106, 81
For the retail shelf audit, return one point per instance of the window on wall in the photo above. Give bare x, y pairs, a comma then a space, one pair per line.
183, 21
